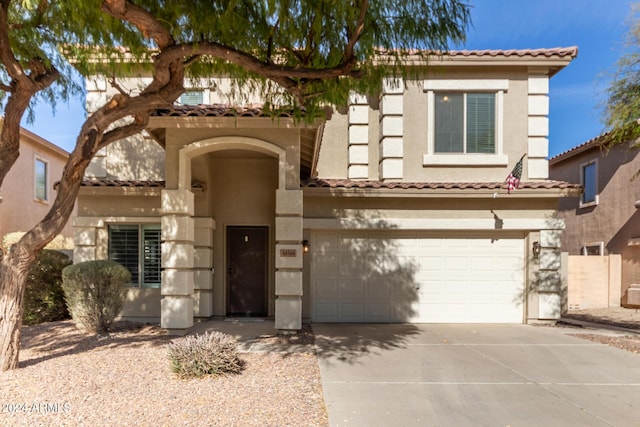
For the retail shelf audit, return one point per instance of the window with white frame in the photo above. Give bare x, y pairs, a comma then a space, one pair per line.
192, 97
41, 180
138, 248
596, 248
589, 182
465, 121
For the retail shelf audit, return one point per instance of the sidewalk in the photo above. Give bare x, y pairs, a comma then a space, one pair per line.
257, 335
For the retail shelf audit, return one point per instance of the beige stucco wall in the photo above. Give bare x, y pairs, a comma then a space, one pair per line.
615, 221
333, 158
415, 128
19, 209
593, 282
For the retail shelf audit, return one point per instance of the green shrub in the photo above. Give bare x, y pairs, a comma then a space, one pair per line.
44, 297
95, 292
195, 356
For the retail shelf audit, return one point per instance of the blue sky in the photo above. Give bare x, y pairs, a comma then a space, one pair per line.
577, 93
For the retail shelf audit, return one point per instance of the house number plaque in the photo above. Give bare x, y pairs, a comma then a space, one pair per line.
288, 253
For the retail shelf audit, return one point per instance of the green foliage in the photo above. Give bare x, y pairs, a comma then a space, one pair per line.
39, 29
294, 34
622, 110
94, 292
196, 356
44, 298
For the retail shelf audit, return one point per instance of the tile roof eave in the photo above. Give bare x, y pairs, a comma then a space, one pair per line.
343, 186
526, 189
597, 141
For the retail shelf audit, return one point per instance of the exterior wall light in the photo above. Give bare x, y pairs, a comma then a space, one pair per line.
305, 246
536, 250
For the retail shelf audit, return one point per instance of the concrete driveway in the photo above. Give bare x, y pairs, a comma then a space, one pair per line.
474, 375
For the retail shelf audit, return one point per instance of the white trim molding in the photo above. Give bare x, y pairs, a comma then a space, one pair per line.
431, 158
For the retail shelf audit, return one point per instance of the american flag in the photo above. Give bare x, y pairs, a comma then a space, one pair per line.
513, 180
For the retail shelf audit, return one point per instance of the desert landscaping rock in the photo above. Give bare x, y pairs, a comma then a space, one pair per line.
75, 379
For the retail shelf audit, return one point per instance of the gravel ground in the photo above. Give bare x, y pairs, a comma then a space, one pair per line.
75, 379
614, 316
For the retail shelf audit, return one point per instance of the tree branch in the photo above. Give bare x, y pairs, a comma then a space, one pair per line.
14, 69
253, 64
353, 39
150, 26
124, 131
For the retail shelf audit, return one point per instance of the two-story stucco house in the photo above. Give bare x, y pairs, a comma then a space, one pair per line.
393, 209
605, 218
28, 190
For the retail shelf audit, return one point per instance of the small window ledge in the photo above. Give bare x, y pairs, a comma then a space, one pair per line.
589, 204
465, 160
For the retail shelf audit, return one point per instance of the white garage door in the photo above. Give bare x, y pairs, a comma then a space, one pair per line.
413, 277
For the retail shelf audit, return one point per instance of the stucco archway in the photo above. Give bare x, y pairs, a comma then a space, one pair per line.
198, 148
185, 282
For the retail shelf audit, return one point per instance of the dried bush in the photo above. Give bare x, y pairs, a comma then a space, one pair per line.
195, 356
43, 296
95, 292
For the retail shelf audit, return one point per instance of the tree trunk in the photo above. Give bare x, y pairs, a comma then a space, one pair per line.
14, 267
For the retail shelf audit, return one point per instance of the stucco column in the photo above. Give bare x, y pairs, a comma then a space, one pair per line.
85, 232
203, 267
391, 129
288, 260
550, 287
177, 261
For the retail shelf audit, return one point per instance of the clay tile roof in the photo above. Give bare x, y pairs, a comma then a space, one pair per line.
598, 141
354, 184
219, 110
351, 184
561, 52
121, 183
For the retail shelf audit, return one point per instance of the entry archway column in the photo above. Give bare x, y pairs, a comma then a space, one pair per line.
177, 261
288, 260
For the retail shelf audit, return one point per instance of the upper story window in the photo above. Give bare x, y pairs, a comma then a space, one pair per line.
41, 180
589, 181
465, 122
138, 248
192, 97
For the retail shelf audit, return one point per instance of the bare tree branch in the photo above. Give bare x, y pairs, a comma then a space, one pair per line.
151, 28
353, 38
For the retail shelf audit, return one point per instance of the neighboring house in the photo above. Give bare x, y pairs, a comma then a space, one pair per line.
27, 192
604, 219
393, 209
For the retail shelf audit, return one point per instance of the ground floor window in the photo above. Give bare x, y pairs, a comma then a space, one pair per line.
137, 247
596, 248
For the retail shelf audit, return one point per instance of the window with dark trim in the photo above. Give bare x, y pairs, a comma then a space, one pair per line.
589, 181
593, 249
138, 248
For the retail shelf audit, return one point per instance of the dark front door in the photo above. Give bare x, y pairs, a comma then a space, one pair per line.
247, 271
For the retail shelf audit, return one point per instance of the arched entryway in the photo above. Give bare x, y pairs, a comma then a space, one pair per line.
243, 196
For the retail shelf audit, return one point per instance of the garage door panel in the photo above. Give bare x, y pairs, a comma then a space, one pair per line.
378, 289
354, 310
394, 276
351, 288
328, 311
325, 288
325, 262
